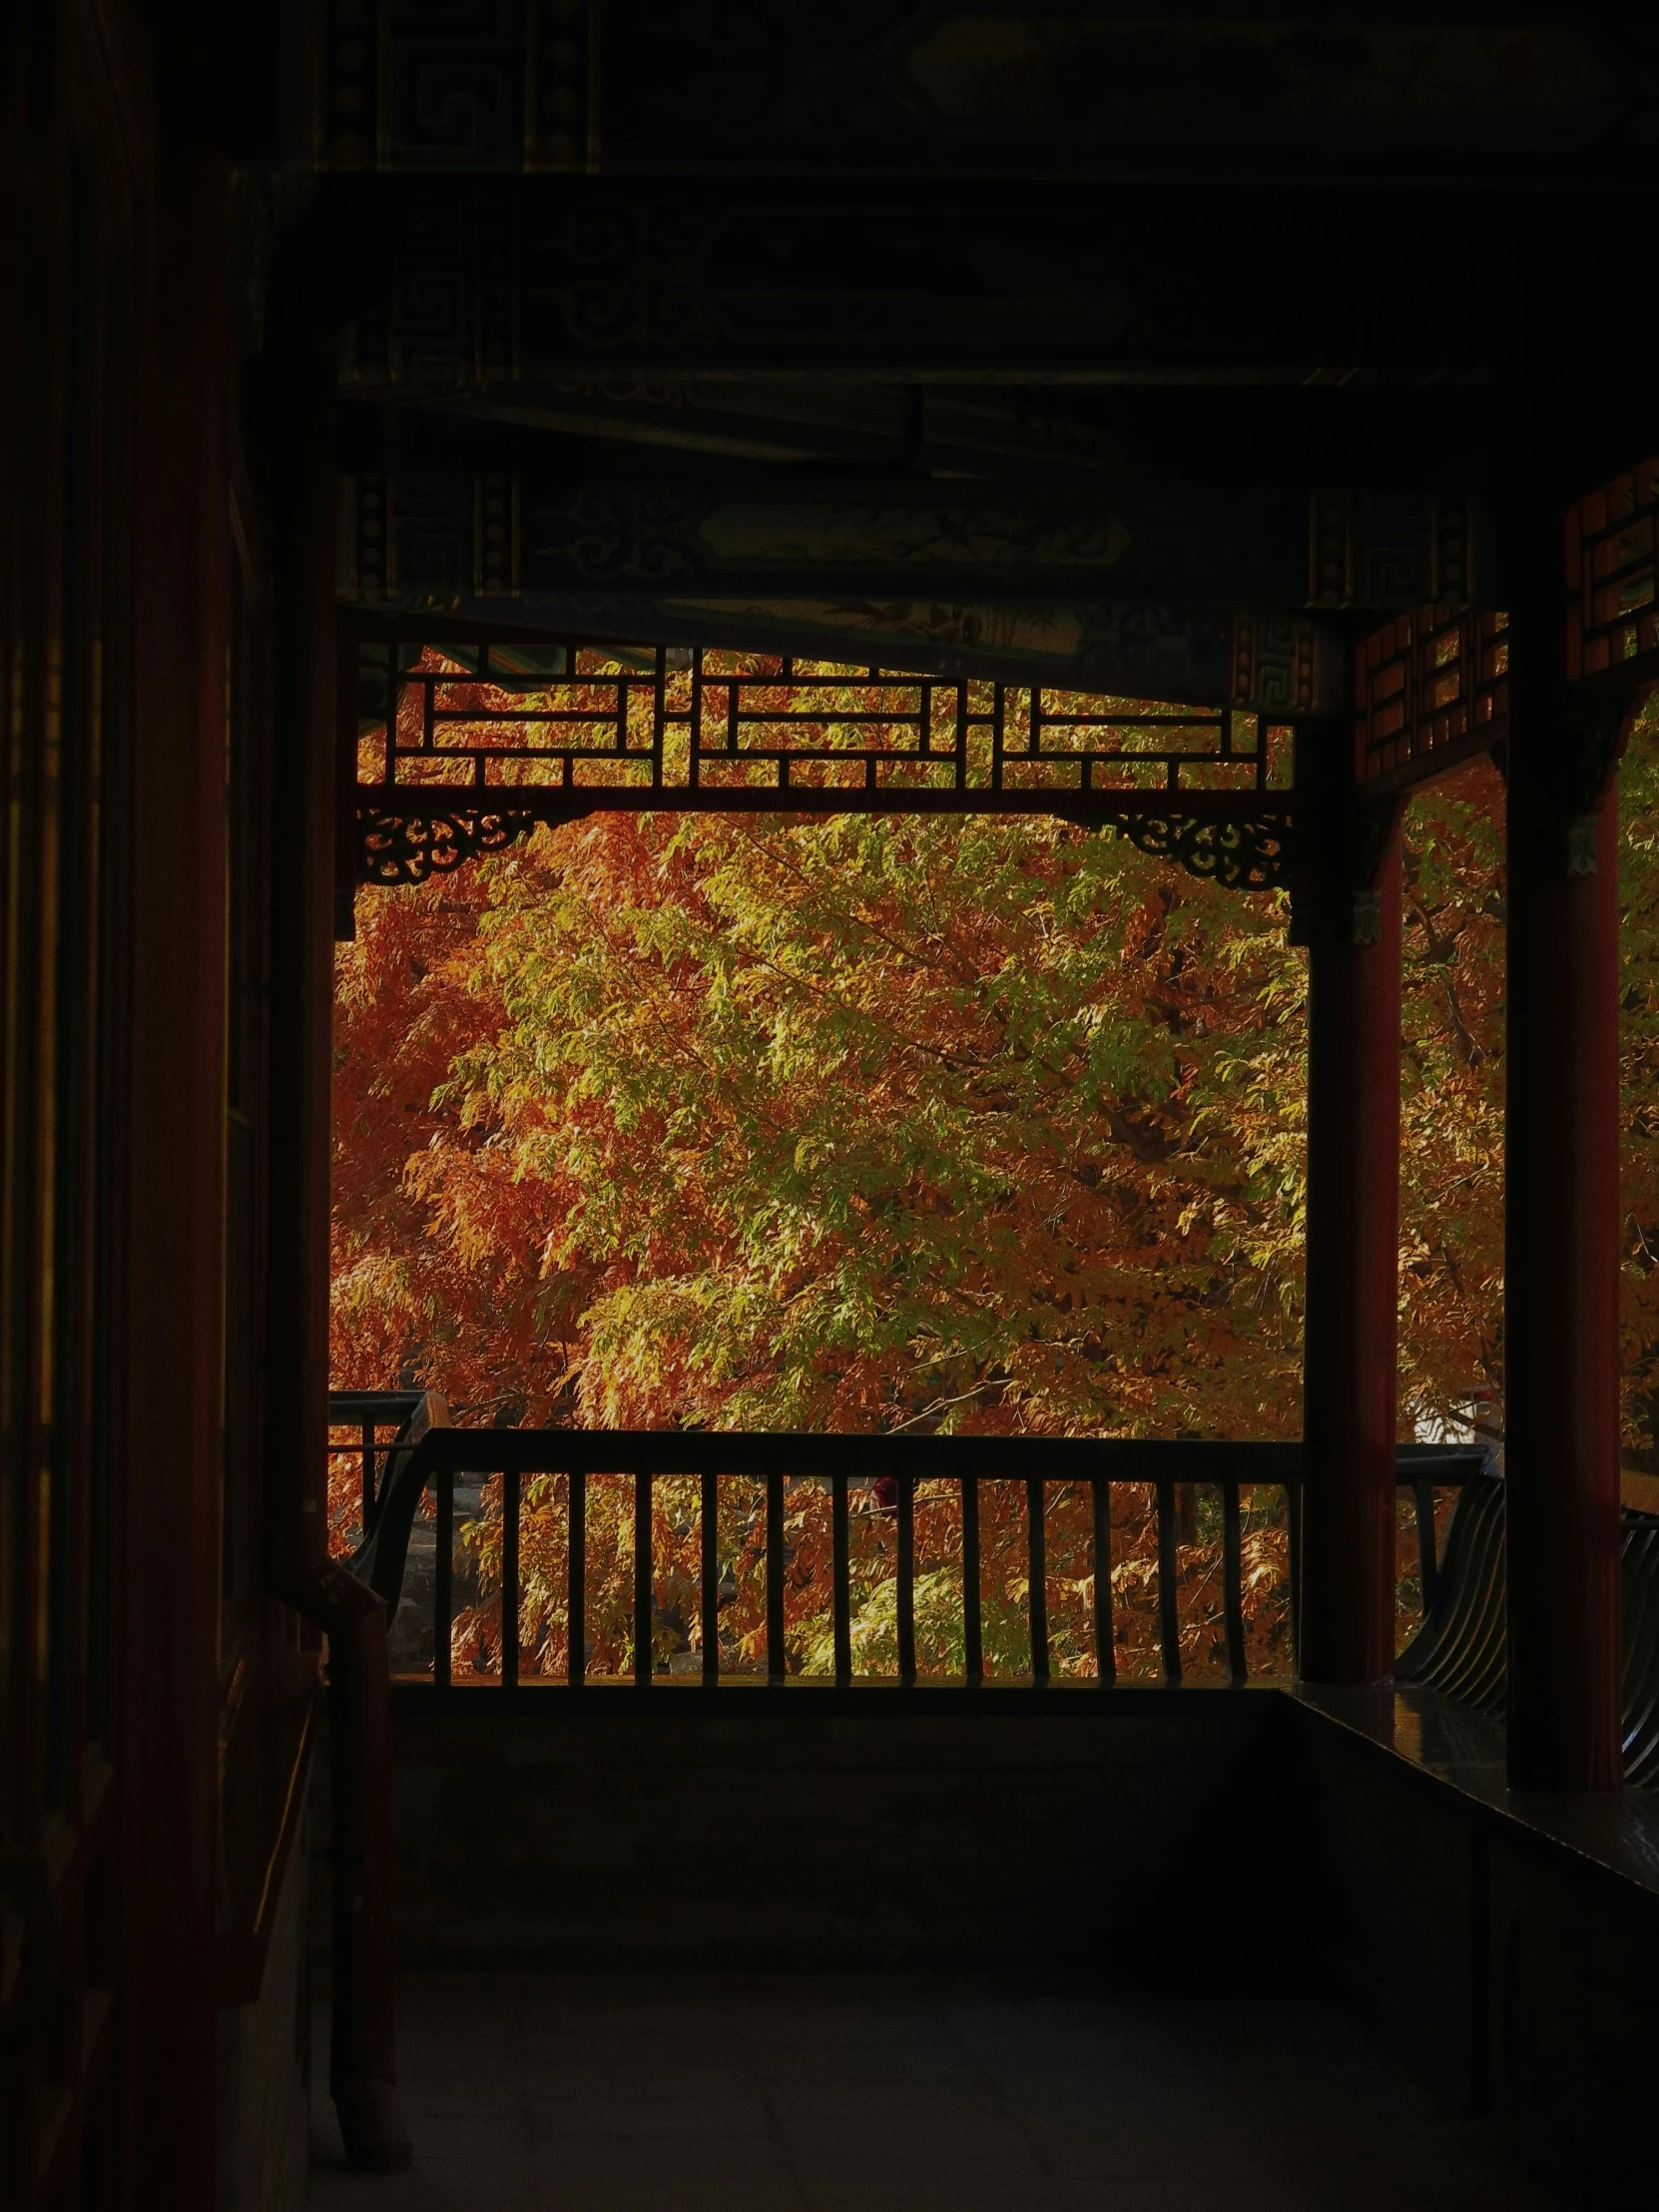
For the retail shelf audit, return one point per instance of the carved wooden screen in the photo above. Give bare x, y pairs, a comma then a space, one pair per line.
1430, 690
1612, 602
460, 745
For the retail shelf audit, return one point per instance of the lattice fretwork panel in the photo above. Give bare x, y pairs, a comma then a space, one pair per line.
557, 724
1613, 601
1430, 690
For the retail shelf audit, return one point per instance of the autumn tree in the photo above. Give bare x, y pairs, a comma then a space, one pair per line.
858, 1123
886, 1123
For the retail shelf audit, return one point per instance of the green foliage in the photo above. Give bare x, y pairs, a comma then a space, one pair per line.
876, 1123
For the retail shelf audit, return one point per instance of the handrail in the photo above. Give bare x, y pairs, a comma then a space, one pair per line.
341, 1602
820, 1452
1461, 1649
361, 2064
368, 1411
897, 1464
378, 1406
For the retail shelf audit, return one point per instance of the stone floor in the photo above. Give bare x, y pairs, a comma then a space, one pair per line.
796, 2093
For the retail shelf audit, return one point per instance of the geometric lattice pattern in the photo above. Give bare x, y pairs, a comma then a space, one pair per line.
1612, 605
628, 726
1430, 690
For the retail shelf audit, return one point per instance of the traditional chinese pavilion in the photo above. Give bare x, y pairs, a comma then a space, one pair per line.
422, 419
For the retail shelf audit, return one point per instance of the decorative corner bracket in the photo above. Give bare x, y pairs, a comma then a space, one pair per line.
1335, 898
1373, 825
407, 848
1253, 855
1600, 714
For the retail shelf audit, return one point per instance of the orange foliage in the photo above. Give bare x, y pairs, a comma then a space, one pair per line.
874, 1124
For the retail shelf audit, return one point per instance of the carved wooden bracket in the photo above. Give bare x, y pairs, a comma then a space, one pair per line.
1252, 854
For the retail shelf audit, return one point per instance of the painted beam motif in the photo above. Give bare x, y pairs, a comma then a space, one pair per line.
1177, 651
471, 287
668, 85
431, 537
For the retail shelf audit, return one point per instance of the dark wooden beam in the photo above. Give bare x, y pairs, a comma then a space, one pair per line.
1044, 433
467, 285
433, 518
579, 85
1194, 653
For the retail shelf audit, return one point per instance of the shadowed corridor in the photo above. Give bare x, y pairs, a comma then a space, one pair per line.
900, 2093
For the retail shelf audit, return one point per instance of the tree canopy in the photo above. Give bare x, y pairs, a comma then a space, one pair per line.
882, 1122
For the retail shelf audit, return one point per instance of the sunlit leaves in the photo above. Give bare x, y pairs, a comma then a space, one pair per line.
894, 1123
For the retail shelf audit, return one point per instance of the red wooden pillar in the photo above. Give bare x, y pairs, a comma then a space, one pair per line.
1562, 1345
1352, 1240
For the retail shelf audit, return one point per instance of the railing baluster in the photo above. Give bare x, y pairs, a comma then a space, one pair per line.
1244, 1477
908, 1579
368, 1477
1292, 1552
1169, 1618
842, 1595
973, 1655
642, 1579
1429, 1549
576, 1593
775, 1575
1232, 1580
509, 1579
443, 1565
1105, 1647
710, 1532
1036, 1555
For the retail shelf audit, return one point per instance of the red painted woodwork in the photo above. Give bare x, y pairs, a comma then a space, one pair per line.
1562, 1341
162, 1514
1612, 576
1353, 1232
1428, 693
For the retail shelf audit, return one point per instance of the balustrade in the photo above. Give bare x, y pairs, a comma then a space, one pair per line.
878, 1486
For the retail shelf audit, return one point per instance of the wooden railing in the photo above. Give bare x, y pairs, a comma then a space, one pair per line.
1462, 1649
885, 1474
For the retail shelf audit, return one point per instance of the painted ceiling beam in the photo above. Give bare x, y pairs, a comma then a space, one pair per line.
498, 520
524, 291
668, 87
1046, 432
1181, 651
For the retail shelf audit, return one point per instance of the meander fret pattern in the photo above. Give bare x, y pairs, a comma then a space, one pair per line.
551, 728
1429, 689
1613, 601
508, 87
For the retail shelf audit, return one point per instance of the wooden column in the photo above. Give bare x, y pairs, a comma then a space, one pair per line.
294, 390
292, 397
1561, 1347
168, 1468
1352, 1238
